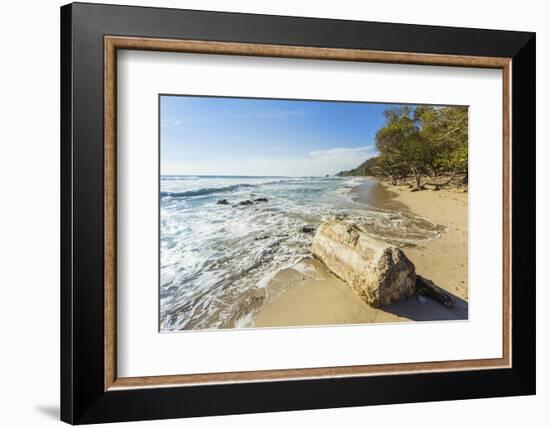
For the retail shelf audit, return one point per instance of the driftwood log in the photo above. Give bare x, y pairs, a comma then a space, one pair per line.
378, 272
427, 288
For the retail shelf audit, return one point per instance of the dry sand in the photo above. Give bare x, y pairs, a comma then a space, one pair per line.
315, 297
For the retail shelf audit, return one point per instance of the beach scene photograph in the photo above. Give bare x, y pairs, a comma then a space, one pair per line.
295, 213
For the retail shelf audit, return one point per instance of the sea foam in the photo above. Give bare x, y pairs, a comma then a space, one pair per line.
216, 261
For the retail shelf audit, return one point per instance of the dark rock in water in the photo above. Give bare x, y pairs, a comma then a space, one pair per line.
222, 202
307, 229
251, 202
260, 238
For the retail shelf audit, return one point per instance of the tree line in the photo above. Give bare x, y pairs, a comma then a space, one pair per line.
422, 146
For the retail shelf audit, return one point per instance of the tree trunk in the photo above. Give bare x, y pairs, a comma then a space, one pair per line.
440, 185
417, 179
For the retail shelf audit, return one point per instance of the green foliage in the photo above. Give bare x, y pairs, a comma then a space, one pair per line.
428, 143
445, 132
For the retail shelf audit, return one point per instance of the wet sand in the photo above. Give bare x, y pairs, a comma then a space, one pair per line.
315, 297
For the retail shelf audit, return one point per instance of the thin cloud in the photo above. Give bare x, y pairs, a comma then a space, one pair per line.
343, 152
166, 123
331, 161
283, 114
269, 114
315, 163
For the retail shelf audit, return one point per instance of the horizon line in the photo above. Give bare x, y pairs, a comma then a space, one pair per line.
245, 175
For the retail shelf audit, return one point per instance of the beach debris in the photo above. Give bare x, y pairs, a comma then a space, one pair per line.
222, 202
249, 304
427, 288
378, 272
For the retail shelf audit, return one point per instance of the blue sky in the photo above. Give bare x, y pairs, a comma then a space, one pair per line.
240, 136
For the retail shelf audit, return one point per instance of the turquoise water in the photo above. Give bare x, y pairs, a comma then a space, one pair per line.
216, 261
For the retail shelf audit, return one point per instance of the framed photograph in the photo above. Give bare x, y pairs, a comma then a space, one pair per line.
265, 213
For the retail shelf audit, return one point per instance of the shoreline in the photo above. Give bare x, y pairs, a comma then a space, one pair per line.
448, 207
316, 297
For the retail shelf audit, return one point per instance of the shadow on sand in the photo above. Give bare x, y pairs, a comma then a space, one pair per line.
413, 309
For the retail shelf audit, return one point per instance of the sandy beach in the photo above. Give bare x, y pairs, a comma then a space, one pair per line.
305, 228
316, 297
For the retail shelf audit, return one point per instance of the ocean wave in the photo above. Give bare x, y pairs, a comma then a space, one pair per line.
218, 262
203, 186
